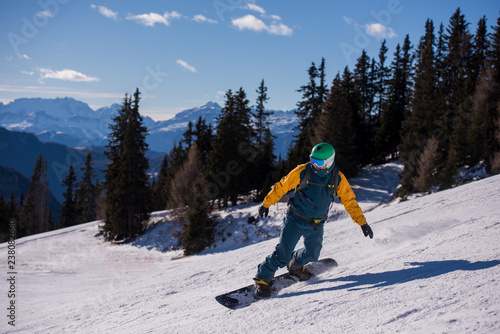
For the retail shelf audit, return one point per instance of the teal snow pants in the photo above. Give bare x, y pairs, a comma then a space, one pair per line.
293, 229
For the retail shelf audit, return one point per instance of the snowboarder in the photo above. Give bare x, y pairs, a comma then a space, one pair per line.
315, 184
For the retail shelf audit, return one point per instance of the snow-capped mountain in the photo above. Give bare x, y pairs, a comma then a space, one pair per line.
62, 120
73, 123
164, 134
208, 111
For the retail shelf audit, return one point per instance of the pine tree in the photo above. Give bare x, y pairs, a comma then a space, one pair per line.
366, 88
243, 182
340, 123
322, 94
199, 133
222, 145
185, 190
230, 161
421, 121
492, 155
486, 107
199, 230
322, 87
35, 215
457, 60
440, 64
264, 162
68, 211
188, 135
457, 95
387, 137
408, 71
364, 84
494, 53
161, 189
305, 112
480, 48
265, 165
8, 212
177, 156
309, 110
204, 139
127, 188
87, 192
261, 115
383, 73
475, 122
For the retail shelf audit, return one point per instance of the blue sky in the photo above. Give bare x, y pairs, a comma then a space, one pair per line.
184, 53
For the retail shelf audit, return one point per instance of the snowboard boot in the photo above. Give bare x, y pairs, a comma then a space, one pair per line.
262, 288
296, 270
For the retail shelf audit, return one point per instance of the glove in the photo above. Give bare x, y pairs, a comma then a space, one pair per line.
367, 231
263, 211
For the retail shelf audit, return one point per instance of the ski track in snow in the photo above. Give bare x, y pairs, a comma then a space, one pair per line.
432, 267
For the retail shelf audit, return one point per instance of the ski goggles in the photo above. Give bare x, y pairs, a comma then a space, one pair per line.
323, 163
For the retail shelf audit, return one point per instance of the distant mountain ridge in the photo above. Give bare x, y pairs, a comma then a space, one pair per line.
62, 120
73, 123
64, 129
19, 151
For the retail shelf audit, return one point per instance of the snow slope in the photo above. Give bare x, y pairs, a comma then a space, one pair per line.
432, 267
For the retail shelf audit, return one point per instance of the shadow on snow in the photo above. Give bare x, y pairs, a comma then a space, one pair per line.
421, 270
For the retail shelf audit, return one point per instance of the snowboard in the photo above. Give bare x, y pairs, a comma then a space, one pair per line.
245, 296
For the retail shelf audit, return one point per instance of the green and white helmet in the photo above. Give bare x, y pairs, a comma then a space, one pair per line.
322, 155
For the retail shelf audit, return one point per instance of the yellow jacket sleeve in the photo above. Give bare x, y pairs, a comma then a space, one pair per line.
348, 200
286, 184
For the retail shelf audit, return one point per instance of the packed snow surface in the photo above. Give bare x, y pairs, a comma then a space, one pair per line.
432, 267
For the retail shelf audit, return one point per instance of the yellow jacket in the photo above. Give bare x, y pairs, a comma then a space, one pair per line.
344, 193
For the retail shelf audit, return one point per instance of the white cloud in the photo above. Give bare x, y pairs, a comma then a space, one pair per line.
44, 14
67, 75
200, 18
350, 21
152, 18
379, 31
186, 66
250, 22
280, 29
106, 12
28, 72
23, 56
256, 8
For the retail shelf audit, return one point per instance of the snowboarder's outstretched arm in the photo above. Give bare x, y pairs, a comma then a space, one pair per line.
348, 200
286, 184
